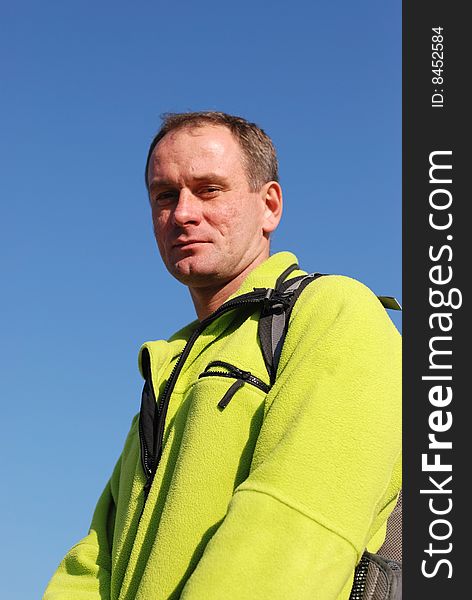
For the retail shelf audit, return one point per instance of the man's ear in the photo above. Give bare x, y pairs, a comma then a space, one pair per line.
272, 196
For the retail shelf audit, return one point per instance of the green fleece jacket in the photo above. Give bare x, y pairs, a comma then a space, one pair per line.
276, 495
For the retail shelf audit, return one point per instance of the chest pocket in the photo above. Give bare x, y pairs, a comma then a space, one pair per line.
225, 411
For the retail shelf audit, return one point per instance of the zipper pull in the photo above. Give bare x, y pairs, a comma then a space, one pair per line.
223, 403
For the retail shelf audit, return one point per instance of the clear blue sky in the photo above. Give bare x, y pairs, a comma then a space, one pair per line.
83, 85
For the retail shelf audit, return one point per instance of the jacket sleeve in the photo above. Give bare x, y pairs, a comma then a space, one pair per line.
326, 468
84, 573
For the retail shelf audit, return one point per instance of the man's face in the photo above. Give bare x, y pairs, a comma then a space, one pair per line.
208, 225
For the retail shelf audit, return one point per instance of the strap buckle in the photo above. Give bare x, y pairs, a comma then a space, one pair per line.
274, 299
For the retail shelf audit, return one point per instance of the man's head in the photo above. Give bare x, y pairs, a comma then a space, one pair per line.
258, 152
214, 194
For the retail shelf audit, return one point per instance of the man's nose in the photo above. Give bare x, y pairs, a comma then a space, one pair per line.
187, 209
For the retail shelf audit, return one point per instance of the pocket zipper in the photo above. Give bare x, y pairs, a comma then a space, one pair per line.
232, 372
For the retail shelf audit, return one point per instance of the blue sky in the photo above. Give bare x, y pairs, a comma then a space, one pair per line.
83, 85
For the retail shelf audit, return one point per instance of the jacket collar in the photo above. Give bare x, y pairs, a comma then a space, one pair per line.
265, 275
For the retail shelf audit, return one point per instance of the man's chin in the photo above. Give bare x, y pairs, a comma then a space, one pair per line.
194, 271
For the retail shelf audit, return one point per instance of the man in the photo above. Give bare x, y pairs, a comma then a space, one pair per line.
229, 487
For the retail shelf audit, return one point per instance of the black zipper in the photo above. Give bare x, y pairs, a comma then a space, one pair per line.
148, 400
264, 296
232, 372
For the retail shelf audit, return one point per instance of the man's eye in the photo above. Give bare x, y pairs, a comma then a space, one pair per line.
209, 190
165, 197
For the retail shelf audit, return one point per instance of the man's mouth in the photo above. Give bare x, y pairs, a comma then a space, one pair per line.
187, 243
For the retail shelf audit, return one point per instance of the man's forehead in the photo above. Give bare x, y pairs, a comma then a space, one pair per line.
209, 138
197, 149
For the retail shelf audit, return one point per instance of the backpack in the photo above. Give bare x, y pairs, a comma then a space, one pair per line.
377, 576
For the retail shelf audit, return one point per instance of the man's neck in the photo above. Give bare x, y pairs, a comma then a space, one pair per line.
208, 299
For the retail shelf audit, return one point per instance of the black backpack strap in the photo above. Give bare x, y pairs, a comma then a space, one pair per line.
274, 319
283, 276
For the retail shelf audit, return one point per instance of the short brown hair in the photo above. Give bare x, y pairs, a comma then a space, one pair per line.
259, 156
